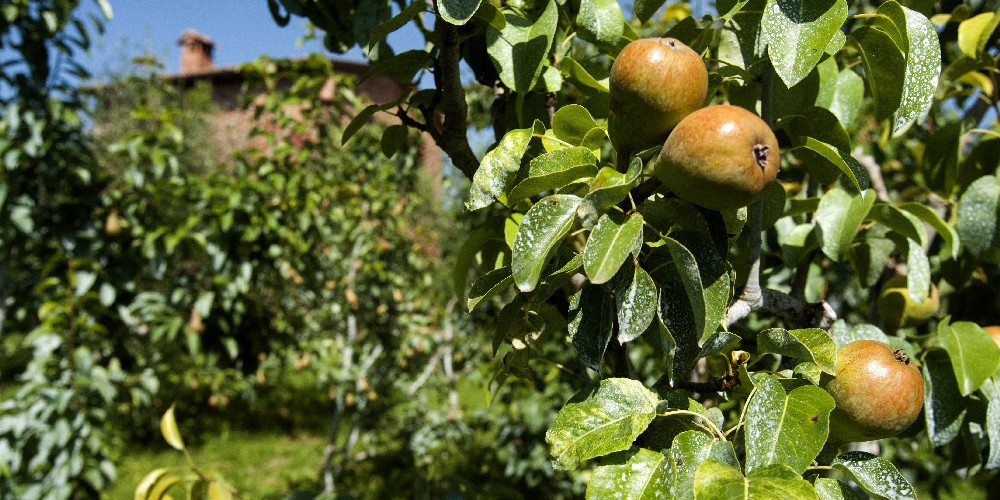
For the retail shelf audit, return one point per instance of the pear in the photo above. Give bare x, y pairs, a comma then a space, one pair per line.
720, 157
655, 82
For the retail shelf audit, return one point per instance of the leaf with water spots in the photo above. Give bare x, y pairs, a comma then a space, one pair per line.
944, 406
576, 126
885, 66
634, 474
488, 285
974, 355
458, 12
919, 42
991, 392
715, 480
831, 489
945, 230
554, 170
807, 344
543, 228
797, 33
979, 218
601, 21
786, 428
604, 418
636, 305
876, 475
498, 169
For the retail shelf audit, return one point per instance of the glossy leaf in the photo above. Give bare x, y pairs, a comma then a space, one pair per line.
636, 305
601, 20
457, 12
797, 32
575, 73
840, 159
944, 407
467, 254
979, 218
809, 344
894, 218
551, 283
492, 15
718, 481
543, 228
575, 125
602, 419
609, 244
554, 170
786, 428
381, 31
974, 355
521, 48
923, 64
885, 66
918, 271
169, 430
974, 33
607, 189
488, 285
644, 9
945, 230
991, 392
876, 475
839, 215
831, 489
847, 97
634, 474
498, 169
591, 323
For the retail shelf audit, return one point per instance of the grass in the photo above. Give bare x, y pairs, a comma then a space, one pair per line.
258, 465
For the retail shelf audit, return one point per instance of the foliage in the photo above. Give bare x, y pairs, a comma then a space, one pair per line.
884, 171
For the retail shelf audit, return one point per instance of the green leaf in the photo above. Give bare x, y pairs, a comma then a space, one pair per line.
847, 97
576, 74
974, 355
876, 475
609, 244
601, 21
168, 427
554, 170
928, 215
895, 219
155, 485
718, 481
788, 429
644, 9
918, 272
923, 64
543, 228
393, 138
591, 322
367, 16
521, 48
944, 407
839, 215
885, 66
979, 219
381, 31
498, 169
840, 159
488, 285
637, 473
457, 12
359, 121
809, 344
869, 257
974, 33
492, 15
831, 489
551, 283
797, 32
574, 124
607, 189
636, 305
602, 419
991, 392
467, 254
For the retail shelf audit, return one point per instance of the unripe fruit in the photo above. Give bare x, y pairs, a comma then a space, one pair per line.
655, 82
720, 157
898, 310
878, 391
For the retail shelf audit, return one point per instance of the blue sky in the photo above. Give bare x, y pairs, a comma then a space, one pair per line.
242, 30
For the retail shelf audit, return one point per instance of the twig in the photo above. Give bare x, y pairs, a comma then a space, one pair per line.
454, 139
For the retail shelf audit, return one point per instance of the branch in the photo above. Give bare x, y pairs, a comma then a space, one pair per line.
454, 140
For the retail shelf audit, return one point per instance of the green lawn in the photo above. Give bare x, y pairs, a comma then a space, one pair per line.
258, 465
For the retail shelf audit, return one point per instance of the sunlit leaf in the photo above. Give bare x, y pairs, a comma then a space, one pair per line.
885, 66
718, 481
974, 355
168, 427
498, 169
636, 305
839, 215
876, 475
609, 244
457, 12
788, 429
601, 20
521, 48
944, 407
543, 228
797, 33
808, 344
979, 218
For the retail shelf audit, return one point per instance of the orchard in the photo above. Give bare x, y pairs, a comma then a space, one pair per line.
752, 249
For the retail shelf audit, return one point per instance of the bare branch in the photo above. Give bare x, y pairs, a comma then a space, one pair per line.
454, 139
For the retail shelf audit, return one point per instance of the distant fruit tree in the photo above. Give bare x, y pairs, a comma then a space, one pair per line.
707, 207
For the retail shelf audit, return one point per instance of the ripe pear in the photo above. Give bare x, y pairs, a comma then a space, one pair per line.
878, 392
720, 157
994, 332
898, 310
655, 82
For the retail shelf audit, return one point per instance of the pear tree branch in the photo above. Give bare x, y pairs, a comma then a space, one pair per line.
453, 138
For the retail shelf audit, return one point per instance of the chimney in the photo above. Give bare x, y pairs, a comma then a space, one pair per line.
196, 52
